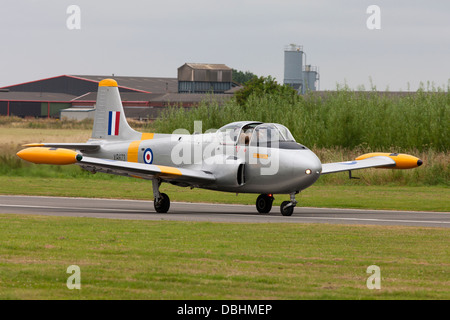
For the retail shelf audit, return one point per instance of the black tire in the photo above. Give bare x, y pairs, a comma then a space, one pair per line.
163, 205
286, 211
264, 203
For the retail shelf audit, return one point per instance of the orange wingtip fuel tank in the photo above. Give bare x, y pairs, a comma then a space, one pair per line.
42, 155
402, 161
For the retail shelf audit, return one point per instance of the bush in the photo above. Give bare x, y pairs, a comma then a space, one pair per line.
341, 118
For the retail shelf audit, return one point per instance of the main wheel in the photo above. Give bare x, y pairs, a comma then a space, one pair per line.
264, 203
163, 205
288, 211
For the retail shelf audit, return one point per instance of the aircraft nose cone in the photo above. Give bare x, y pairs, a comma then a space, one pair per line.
313, 164
316, 169
308, 169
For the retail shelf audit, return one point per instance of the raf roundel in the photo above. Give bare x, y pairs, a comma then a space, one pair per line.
148, 156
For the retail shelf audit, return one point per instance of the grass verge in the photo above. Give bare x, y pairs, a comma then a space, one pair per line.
184, 260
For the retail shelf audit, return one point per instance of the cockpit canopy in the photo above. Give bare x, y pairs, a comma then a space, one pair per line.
256, 134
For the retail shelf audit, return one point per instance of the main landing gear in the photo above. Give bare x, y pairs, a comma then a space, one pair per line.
264, 204
161, 201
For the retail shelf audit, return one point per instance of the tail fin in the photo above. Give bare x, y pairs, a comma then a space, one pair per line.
110, 122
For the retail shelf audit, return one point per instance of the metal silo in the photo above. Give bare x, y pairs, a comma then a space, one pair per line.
301, 78
293, 66
311, 77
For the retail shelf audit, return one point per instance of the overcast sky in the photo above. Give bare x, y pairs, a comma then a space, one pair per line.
153, 38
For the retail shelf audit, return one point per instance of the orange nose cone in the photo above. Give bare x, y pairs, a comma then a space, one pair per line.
42, 155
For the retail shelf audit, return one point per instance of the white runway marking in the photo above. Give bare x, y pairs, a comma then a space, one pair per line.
184, 211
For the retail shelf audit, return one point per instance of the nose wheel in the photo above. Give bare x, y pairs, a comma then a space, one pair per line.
264, 203
287, 207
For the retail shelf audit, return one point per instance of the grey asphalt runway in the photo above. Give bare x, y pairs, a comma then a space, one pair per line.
181, 211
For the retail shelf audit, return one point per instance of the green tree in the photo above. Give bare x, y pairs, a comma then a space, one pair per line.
265, 86
242, 77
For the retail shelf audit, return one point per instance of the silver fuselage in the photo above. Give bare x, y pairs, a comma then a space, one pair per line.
237, 168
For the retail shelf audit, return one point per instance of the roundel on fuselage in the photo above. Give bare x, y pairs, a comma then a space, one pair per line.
148, 156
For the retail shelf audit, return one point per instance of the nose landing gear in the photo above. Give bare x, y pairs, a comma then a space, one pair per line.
287, 207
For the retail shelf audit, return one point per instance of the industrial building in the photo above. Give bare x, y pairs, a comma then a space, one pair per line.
297, 74
202, 78
74, 96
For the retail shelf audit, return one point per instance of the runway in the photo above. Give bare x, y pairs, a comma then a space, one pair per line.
182, 211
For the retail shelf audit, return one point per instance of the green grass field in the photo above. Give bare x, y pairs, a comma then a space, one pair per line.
191, 260
196, 260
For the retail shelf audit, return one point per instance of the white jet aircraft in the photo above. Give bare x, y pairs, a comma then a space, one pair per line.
241, 157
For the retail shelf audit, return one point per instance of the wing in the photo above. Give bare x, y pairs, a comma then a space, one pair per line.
74, 146
181, 176
373, 162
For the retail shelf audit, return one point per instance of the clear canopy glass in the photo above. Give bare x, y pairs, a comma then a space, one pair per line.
254, 133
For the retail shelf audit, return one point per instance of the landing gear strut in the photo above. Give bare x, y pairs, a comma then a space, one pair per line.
264, 203
287, 207
161, 201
